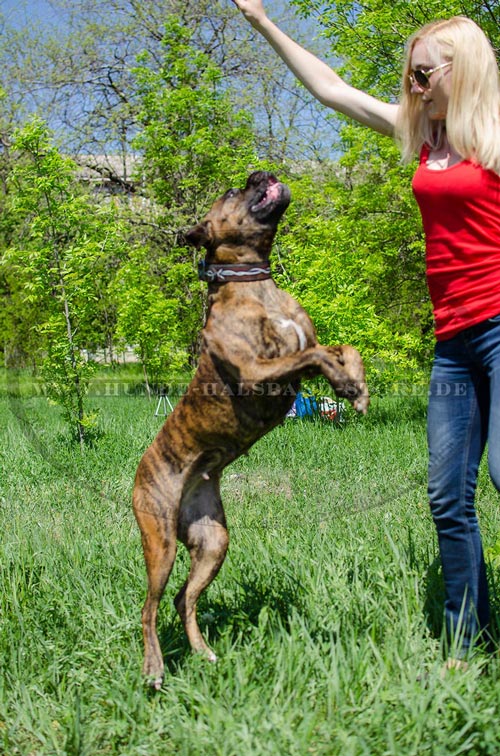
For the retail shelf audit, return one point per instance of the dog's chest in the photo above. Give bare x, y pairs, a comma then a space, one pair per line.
285, 334
269, 326
278, 335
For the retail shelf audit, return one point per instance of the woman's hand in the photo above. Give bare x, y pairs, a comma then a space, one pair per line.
253, 10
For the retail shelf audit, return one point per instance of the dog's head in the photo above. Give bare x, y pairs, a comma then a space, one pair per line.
241, 225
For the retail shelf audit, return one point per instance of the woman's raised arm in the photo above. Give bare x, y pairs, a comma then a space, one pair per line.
322, 81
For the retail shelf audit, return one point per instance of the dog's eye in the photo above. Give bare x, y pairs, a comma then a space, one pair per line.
231, 193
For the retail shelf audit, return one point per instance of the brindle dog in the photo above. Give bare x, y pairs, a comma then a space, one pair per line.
256, 344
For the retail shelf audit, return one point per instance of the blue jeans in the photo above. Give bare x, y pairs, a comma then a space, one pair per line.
464, 414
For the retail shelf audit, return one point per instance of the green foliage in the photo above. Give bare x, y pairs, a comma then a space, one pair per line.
192, 142
60, 240
156, 309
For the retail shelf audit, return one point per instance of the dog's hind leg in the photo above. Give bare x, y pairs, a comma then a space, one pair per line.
202, 529
158, 531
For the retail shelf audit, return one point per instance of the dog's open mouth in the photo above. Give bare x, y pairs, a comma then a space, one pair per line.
271, 196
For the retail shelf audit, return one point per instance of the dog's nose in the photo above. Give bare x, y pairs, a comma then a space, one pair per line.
260, 177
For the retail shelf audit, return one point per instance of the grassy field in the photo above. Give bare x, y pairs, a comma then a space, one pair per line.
325, 616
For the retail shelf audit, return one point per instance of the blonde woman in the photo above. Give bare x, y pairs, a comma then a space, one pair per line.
448, 116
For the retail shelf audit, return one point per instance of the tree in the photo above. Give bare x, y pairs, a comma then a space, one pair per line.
154, 322
60, 241
77, 73
193, 147
192, 142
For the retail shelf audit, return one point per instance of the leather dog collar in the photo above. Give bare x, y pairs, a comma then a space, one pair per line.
220, 273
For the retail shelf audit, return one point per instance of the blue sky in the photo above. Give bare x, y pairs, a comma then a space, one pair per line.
27, 10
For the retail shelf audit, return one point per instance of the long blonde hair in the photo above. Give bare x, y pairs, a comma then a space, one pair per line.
473, 118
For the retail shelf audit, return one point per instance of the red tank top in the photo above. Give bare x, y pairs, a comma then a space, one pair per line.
460, 209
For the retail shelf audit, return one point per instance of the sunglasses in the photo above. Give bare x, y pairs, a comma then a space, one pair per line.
421, 78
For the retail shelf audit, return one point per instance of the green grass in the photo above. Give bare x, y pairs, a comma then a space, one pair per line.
325, 616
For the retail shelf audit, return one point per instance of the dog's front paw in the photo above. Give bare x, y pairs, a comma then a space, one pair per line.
362, 401
355, 393
346, 374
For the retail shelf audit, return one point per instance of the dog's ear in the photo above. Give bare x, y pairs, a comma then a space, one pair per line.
199, 236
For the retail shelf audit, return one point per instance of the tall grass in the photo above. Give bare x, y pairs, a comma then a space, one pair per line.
325, 616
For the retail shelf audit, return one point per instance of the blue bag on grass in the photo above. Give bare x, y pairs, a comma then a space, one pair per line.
305, 404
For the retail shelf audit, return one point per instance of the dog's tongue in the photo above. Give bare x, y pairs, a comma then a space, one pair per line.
272, 193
